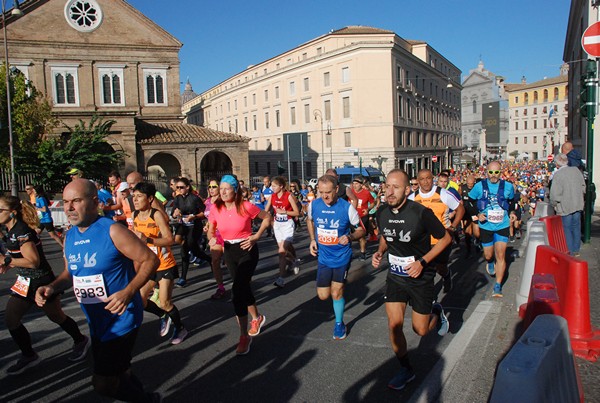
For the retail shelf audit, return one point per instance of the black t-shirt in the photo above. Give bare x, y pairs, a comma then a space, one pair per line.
342, 192
19, 235
189, 204
408, 231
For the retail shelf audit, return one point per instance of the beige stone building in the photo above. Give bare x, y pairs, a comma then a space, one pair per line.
358, 94
538, 117
105, 58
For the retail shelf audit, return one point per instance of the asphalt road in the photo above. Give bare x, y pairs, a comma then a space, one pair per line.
293, 359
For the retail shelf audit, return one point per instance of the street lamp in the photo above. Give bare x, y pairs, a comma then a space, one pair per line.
319, 115
330, 135
16, 12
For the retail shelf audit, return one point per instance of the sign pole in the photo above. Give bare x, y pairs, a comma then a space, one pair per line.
591, 82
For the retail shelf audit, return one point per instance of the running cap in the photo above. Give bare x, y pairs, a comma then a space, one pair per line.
73, 171
231, 180
123, 186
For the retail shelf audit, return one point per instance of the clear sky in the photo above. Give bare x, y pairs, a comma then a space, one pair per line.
221, 38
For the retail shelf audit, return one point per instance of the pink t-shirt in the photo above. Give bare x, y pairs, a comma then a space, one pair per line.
231, 225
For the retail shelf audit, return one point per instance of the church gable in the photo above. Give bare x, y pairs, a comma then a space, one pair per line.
114, 23
476, 78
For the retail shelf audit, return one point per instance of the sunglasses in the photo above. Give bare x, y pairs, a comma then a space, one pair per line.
413, 184
213, 187
493, 172
180, 187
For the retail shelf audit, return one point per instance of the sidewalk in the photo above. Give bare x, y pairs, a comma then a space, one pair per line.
497, 328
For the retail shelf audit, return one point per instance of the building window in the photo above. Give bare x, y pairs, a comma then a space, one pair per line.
277, 119
66, 91
112, 86
292, 88
293, 115
306, 84
83, 15
253, 99
156, 84
534, 139
266, 95
545, 123
535, 111
326, 79
556, 94
525, 140
525, 112
535, 125
266, 120
254, 122
278, 143
328, 110
516, 140
306, 113
235, 104
345, 74
347, 139
400, 106
346, 107
474, 106
246, 123
525, 125
516, 125
516, 112
408, 109
245, 102
277, 92
516, 100
399, 135
545, 95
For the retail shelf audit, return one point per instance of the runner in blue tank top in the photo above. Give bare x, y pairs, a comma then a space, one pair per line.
329, 223
108, 265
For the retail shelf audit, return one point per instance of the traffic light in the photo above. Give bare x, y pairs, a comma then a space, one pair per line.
583, 95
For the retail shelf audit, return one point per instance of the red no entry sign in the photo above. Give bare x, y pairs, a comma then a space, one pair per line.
590, 41
434, 158
550, 158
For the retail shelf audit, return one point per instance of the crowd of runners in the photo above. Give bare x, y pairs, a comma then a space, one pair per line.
119, 259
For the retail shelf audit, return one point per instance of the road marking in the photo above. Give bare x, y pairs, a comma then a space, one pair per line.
430, 389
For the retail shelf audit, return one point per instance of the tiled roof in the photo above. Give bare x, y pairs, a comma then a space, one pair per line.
359, 29
542, 83
181, 133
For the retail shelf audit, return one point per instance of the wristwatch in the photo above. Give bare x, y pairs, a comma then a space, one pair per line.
7, 260
452, 228
423, 262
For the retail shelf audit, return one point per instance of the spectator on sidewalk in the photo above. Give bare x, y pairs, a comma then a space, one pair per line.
566, 196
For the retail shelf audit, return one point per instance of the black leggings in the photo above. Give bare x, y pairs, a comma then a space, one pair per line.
241, 265
191, 237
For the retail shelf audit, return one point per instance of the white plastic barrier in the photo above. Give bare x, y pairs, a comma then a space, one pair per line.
536, 236
543, 209
540, 367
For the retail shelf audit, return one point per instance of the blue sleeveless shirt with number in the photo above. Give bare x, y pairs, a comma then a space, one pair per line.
331, 222
99, 270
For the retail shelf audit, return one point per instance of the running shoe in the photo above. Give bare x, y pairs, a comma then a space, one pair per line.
448, 282
280, 282
490, 268
193, 258
511, 239
296, 270
179, 335
243, 347
400, 380
23, 364
444, 324
497, 290
80, 349
256, 325
518, 234
180, 283
165, 325
363, 256
339, 331
220, 293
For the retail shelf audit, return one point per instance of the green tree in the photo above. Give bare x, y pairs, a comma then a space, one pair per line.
31, 118
84, 147
514, 154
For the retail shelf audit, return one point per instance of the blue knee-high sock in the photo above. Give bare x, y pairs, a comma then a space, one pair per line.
338, 309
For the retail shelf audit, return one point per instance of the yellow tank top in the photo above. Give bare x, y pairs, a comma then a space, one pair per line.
435, 204
150, 229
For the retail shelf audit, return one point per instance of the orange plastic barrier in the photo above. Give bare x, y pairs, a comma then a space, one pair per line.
556, 232
543, 299
571, 278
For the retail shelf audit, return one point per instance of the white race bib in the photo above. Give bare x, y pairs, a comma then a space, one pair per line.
327, 236
398, 264
495, 216
21, 286
153, 249
281, 217
90, 289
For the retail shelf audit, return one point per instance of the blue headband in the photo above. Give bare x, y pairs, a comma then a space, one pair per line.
231, 180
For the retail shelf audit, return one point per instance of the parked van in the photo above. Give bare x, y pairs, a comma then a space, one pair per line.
373, 175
